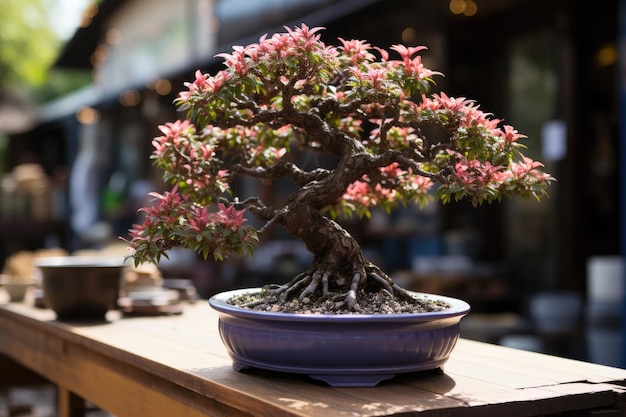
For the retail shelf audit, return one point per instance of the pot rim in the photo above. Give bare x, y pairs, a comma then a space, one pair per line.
219, 303
80, 261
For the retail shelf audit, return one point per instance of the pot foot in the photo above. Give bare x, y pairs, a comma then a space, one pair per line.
356, 380
435, 371
239, 367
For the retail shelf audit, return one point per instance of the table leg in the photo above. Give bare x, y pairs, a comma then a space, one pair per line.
69, 404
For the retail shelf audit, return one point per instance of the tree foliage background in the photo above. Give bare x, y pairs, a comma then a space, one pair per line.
28, 48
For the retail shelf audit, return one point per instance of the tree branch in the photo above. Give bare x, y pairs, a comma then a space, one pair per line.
283, 169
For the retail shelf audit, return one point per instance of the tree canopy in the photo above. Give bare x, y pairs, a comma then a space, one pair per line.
370, 108
28, 47
28, 44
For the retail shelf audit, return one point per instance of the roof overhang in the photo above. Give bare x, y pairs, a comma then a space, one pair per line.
77, 52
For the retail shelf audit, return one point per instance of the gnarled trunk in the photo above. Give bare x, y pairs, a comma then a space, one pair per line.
339, 271
335, 251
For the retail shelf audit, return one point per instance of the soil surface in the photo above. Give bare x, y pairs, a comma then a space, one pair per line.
368, 303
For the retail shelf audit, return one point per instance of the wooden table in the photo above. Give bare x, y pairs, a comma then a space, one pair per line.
177, 366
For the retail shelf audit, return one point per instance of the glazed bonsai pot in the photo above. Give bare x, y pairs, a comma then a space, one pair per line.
80, 287
342, 350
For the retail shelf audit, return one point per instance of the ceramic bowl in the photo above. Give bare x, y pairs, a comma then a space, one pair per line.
81, 287
16, 288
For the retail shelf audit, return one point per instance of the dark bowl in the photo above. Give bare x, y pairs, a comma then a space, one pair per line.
80, 287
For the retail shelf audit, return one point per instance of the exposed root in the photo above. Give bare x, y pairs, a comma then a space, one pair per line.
337, 292
310, 289
386, 283
325, 281
354, 286
380, 302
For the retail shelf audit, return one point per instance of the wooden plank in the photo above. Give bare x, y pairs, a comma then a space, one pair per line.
177, 365
272, 396
118, 387
476, 391
495, 398
493, 371
520, 402
552, 367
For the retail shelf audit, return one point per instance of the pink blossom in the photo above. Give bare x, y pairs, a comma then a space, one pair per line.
229, 216
527, 166
358, 191
384, 54
384, 194
357, 50
413, 66
392, 170
460, 104
407, 52
217, 81
199, 83
474, 173
172, 130
421, 184
304, 36
236, 60
376, 76
509, 134
200, 219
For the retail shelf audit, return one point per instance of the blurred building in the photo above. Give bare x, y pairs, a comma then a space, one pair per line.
550, 68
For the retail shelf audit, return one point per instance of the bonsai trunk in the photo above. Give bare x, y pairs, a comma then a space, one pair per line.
334, 249
339, 270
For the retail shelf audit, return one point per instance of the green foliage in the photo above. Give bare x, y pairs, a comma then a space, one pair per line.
28, 45
60, 82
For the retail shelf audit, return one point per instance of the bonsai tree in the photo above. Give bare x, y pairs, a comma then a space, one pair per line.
291, 94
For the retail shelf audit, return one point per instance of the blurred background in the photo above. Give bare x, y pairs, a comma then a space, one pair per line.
84, 85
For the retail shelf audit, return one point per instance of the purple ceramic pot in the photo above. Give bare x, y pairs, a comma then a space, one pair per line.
341, 350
